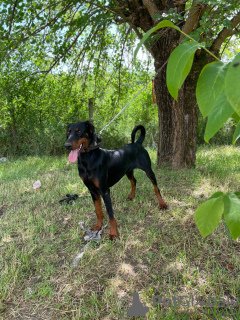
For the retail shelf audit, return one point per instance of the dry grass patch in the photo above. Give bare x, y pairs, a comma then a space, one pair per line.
159, 253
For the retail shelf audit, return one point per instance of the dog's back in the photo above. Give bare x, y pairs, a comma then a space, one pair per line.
100, 169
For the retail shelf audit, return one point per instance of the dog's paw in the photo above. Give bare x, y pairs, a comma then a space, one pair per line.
163, 206
113, 236
97, 228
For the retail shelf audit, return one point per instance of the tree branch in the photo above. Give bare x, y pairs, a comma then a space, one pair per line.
51, 66
11, 20
120, 63
192, 19
138, 33
225, 33
17, 43
152, 9
119, 21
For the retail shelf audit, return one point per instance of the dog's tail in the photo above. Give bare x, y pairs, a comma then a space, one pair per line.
142, 135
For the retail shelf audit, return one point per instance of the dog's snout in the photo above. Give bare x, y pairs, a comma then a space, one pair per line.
68, 145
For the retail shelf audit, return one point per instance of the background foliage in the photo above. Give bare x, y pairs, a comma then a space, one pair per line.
55, 55
35, 113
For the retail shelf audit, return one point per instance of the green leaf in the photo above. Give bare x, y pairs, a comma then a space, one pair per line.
179, 65
226, 202
236, 134
232, 82
208, 215
162, 24
216, 195
220, 113
210, 85
237, 193
232, 215
236, 117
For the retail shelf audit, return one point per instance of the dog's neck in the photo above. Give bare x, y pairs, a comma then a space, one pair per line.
95, 144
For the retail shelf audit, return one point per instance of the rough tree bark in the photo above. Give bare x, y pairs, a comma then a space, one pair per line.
178, 120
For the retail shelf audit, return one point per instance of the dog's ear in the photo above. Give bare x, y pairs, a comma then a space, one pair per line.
90, 127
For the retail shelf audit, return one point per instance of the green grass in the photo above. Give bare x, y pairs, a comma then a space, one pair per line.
159, 253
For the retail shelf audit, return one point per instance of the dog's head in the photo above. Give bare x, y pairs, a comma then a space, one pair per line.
79, 136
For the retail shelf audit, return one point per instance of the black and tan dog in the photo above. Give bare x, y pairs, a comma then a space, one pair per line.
100, 169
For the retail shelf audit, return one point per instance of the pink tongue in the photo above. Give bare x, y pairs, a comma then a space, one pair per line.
73, 155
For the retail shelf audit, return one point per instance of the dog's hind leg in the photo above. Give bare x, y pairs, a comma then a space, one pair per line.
152, 177
133, 184
144, 163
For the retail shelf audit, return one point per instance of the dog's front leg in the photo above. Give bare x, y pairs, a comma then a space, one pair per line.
93, 189
98, 209
113, 224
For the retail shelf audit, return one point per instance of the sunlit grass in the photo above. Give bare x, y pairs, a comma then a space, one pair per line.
159, 253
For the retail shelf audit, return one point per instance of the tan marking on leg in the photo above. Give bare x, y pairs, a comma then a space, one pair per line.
133, 184
162, 204
113, 229
99, 213
95, 181
132, 194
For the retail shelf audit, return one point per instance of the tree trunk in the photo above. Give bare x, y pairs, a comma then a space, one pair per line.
178, 120
90, 109
14, 129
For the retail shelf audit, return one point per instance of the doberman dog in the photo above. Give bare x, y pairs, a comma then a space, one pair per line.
100, 169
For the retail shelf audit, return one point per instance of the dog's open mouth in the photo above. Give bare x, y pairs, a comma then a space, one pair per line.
81, 148
75, 153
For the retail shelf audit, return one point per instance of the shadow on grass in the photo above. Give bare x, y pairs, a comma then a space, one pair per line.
159, 252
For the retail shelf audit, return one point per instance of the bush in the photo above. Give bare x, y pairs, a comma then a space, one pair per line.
222, 137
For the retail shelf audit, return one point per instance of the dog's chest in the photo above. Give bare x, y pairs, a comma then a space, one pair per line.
86, 169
